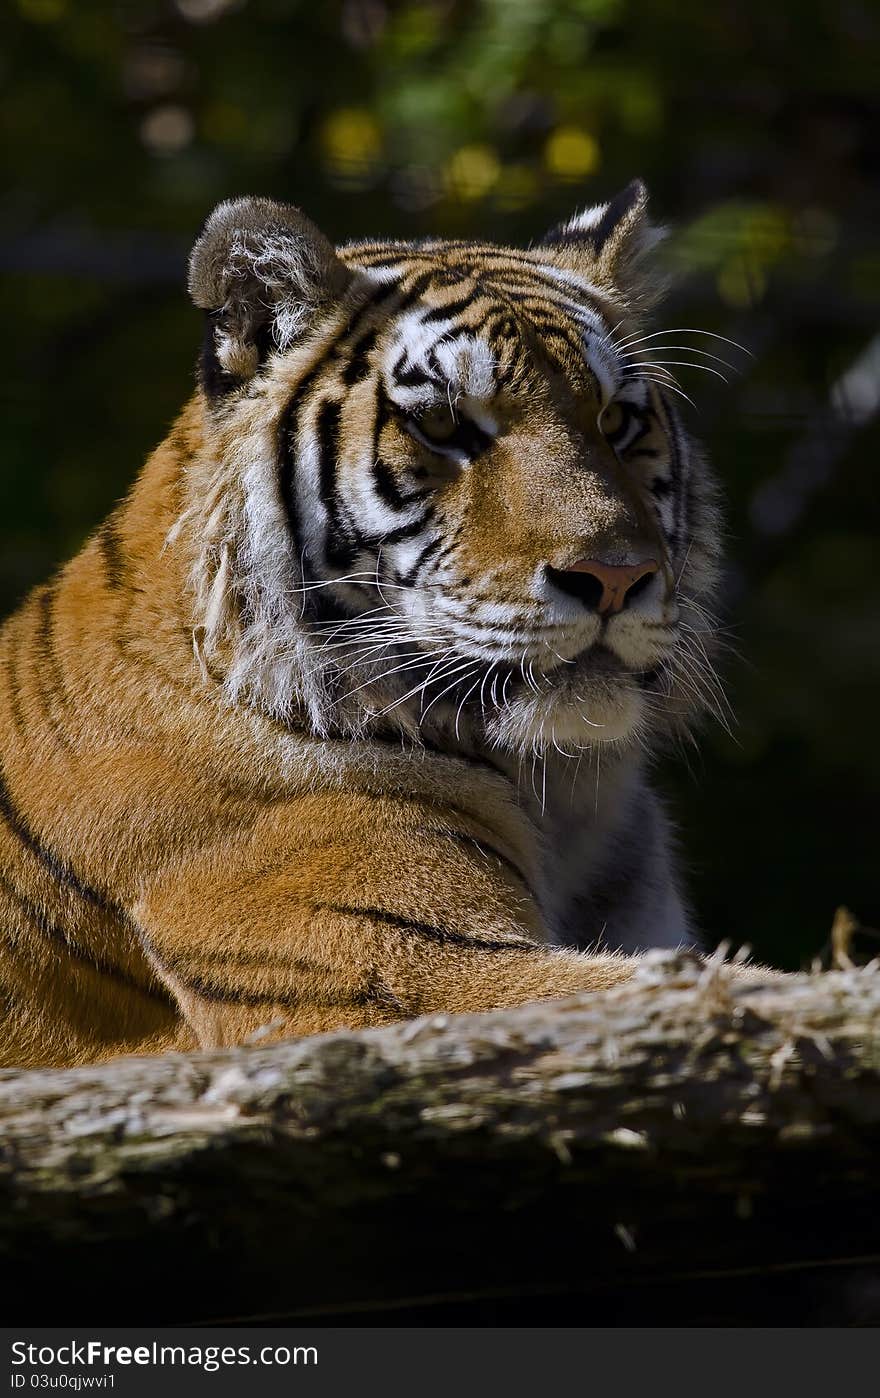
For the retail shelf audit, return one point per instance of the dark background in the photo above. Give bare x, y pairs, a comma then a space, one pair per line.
124, 123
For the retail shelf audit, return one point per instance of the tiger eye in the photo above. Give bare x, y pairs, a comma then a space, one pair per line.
438, 424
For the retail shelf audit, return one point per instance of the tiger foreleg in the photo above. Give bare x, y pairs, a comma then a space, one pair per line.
350, 935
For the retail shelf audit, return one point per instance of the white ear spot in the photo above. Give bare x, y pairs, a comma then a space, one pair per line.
609, 242
587, 219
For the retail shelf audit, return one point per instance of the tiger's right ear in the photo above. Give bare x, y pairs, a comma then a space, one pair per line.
610, 244
261, 270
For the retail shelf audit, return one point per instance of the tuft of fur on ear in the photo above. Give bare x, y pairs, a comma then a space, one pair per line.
608, 245
261, 270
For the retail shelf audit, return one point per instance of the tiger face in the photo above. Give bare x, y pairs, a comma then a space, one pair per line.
453, 490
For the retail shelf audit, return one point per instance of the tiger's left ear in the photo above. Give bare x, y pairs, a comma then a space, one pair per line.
263, 272
608, 245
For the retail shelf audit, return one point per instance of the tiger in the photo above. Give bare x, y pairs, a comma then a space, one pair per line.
345, 714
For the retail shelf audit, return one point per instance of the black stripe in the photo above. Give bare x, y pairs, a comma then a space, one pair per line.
506, 338
374, 255
49, 680
423, 249
387, 488
247, 956
413, 377
290, 418
57, 867
558, 328
409, 577
58, 937
211, 990
556, 342
449, 544
329, 415
415, 288
112, 555
404, 531
359, 363
339, 548
615, 213
383, 409
484, 263
545, 299
207, 988
234, 995
287, 472
452, 308
443, 936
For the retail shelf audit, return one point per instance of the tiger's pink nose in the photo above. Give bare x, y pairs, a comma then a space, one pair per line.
605, 587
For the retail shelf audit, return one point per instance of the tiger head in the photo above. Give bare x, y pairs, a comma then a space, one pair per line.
448, 486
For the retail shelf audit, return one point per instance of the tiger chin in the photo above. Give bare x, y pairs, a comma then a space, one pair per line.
344, 714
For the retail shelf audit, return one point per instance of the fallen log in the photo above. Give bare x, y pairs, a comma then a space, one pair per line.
689, 1148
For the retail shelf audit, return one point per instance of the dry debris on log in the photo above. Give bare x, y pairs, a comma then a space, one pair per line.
689, 1148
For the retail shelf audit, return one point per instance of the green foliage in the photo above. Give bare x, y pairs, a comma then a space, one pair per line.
124, 124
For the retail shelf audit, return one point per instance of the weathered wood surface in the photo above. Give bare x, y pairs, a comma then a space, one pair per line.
687, 1148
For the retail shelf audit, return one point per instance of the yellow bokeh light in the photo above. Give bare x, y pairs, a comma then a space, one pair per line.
571, 152
472, 172
351, 139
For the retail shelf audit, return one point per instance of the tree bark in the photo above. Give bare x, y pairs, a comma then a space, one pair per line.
689, 1148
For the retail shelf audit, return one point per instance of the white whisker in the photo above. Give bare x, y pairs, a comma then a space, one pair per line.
662, 383
686, 349
420, 687
681, 363
462, 704
682, 330
377, 679
460, 679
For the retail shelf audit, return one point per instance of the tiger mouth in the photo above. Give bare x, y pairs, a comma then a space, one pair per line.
600, 662
596, 673
598, 666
